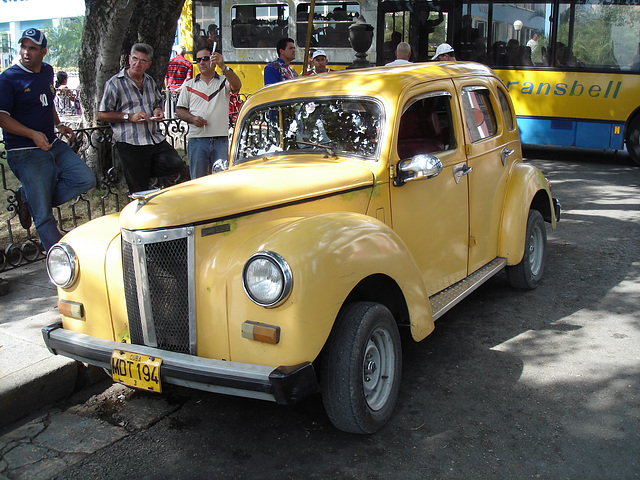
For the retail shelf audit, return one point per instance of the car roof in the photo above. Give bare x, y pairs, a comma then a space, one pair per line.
381, 82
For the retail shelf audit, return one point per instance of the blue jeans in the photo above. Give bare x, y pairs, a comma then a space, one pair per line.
207, 154
49, 179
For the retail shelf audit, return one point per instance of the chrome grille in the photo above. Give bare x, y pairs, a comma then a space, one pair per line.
158, 279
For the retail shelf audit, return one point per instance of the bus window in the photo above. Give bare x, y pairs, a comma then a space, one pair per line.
206, 30
597, 36
331, 23
478, 112
259, 26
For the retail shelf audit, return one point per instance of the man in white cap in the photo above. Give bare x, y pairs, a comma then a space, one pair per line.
444, 53
319, 60
50, 172
403, 54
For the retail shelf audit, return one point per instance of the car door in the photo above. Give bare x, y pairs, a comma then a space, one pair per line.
491, 149
430, 214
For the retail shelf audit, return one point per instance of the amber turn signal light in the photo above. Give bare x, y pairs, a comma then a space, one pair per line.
261, 332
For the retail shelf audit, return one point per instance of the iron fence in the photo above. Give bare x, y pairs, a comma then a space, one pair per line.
19, 246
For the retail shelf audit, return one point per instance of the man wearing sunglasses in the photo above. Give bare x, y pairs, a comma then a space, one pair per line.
132, 104
204, 104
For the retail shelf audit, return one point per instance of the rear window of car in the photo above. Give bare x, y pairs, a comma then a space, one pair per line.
479, 114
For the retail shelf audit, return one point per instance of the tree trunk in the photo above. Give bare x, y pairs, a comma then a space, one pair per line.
111, 28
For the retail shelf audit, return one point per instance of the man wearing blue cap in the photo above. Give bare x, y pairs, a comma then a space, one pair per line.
50, 172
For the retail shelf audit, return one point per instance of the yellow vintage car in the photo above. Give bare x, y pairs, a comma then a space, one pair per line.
356, 203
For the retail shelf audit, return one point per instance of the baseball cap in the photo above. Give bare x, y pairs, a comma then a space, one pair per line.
35, 35
442, 48
317, 53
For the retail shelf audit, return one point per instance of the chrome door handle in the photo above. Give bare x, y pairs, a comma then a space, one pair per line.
460, 170
504, 153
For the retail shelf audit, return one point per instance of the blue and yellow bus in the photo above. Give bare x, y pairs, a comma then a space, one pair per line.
572, 67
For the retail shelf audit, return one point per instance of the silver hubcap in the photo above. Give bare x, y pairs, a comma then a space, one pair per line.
378, 369
536, 250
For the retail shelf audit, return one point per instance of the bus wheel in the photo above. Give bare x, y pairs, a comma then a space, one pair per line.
527, 275
633, 139
361, 368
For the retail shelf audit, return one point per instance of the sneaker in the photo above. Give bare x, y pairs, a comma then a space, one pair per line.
23, 210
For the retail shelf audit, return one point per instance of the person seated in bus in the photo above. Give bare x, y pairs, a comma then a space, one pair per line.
499, 54
635, 62
524, 54
280, 69
466, 37
389, 48
513, 57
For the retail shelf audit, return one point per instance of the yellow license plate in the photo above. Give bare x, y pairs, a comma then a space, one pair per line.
135, 370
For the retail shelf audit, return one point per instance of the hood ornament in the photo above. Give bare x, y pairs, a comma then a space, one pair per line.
144, 196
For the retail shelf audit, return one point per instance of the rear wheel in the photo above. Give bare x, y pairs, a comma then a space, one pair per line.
527, 275
633, 139
361, 368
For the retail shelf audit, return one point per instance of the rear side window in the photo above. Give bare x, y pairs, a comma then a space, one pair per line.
506, 109
478, 112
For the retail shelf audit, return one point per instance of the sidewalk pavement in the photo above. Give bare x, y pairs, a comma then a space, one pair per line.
30, 376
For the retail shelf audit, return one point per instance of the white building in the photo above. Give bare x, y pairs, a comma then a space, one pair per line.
18, 15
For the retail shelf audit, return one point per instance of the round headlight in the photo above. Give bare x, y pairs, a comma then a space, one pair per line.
62, 265
267, 279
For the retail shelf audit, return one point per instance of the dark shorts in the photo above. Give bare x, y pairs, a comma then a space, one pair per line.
140, 163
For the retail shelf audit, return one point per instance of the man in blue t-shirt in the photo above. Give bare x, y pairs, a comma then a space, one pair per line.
280, 69
50, 172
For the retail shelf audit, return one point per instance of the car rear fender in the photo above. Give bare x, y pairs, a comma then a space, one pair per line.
527, 189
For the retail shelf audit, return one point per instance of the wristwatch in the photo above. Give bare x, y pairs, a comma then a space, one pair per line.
226, 69
125, 117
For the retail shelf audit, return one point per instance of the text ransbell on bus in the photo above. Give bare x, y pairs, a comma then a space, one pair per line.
572, 67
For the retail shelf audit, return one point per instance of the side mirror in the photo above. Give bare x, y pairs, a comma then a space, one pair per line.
417, 167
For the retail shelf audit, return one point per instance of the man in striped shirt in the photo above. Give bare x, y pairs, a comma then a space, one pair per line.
132, 104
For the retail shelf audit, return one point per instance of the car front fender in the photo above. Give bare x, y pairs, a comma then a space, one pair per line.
328, 255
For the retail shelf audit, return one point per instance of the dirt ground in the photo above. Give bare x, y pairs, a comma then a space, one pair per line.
511, 385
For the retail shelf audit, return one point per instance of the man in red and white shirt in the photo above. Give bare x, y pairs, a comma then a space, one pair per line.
204, 104
178, 71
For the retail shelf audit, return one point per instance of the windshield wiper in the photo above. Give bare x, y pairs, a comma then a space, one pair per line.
320, 145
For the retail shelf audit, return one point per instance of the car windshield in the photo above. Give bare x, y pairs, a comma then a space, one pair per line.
332, 126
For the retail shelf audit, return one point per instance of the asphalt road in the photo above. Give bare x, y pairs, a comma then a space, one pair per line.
511, 385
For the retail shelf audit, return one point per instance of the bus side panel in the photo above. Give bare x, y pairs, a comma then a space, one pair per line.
571, 133
545, 131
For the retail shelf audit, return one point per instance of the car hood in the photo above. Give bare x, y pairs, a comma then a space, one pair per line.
244, 189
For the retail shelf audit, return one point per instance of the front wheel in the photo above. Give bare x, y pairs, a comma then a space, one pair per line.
527, 275
361, 368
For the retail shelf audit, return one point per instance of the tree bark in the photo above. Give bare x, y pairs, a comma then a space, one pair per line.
111, 28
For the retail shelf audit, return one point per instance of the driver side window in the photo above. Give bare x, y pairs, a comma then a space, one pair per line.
425, 126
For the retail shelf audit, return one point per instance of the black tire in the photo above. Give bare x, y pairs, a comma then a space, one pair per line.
361, 368
633, 139
527, 275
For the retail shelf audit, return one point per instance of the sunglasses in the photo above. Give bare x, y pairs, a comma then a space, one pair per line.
203, 59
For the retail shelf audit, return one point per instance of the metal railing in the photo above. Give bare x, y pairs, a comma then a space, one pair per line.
94, 145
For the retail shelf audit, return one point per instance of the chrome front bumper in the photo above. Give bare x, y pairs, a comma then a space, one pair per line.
284, 385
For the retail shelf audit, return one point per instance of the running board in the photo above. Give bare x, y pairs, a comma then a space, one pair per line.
448, 298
